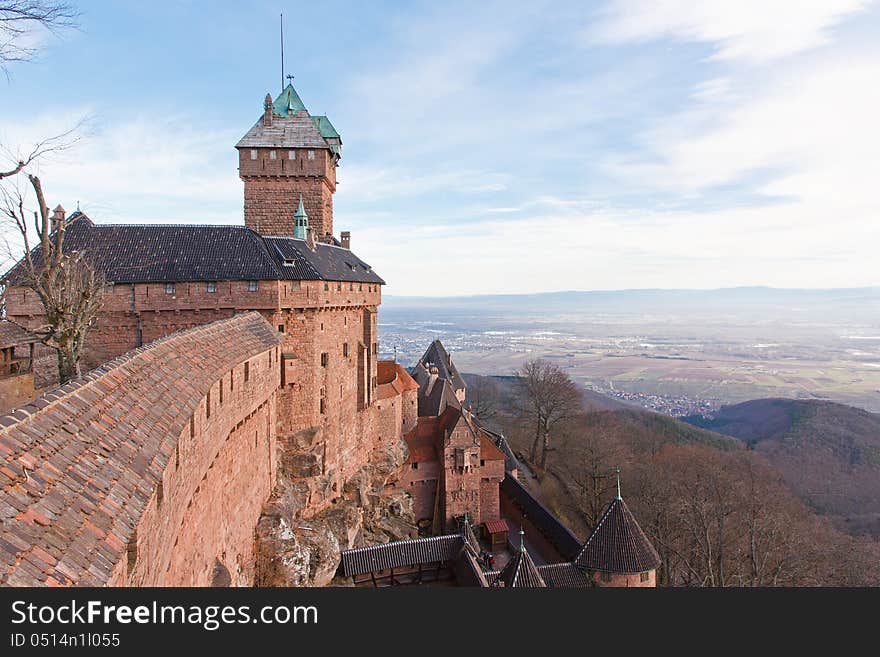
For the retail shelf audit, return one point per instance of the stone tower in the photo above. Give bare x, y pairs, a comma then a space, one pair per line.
287, 155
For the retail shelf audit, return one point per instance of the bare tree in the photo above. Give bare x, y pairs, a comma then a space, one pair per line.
592, 456
67, 283
546, 396
20, 19
484, 398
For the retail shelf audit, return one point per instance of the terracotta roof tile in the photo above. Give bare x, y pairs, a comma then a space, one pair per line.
75, 476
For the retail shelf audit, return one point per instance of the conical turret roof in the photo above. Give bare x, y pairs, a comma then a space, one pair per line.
521, 572
618, 544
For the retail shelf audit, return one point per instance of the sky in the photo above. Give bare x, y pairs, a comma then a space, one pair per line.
494, 147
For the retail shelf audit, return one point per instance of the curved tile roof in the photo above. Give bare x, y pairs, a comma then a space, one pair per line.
79, 464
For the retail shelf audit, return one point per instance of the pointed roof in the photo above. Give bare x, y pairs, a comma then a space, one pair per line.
618, 544
521, 572
437, 356
288, 102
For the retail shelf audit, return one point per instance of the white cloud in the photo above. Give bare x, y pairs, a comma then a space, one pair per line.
749, 30
150, 168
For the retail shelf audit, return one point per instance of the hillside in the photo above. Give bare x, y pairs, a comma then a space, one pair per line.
828, 453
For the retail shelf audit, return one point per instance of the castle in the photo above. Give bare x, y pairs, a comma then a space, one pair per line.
238, 427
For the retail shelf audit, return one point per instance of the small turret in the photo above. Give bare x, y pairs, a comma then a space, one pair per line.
267, 110
58, 215
300, 221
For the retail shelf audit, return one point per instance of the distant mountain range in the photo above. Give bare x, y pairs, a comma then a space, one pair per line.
866, 298
828, 453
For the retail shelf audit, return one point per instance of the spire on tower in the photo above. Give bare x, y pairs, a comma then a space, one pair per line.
617, 471
300, 221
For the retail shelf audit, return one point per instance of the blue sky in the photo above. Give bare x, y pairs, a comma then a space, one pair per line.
495, 147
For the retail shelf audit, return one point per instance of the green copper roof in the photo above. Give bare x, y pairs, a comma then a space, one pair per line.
287, 100
300, 221
325, 127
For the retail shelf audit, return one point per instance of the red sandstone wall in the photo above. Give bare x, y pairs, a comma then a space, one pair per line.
316, 316
421, 484
16, 390
461, 489
213, 488
491, 474
272, 189
620, 579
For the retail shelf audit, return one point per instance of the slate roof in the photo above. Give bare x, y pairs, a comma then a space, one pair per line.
292, 127
566, 543
618, 544
187, 253
79, 464
12, 335
437, 356
564, 576
520, 572
359, 561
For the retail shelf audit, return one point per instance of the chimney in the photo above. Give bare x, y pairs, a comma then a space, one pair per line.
58, 215
310, 238
345, 239
432, 379
267, 110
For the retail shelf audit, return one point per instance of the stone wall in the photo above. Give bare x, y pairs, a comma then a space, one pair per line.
15, 390
152, 470
272, 189
625, 579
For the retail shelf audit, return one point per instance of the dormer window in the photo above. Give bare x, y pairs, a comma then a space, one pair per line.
253, 153
273, 155
291, 154
311, 155
210, 287
252, 286
170, 288
289, 262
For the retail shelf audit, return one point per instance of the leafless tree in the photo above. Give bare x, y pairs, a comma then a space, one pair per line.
20, 19
483, 398
592, 458
67, 283
546, 396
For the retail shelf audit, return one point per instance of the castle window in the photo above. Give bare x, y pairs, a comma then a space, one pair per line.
324, 359
322, 406
170, 288
273, 155
326, 287
210, 287
345, 350
253, 153
247, 371
339, 287
482, 463
208, 405
644, 577
160, 495
252, 286
606, 577
311, 155
415, 466
291, 154
281, 328
192, 426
